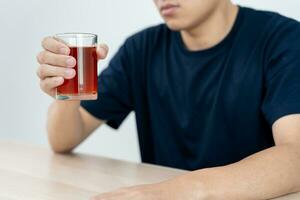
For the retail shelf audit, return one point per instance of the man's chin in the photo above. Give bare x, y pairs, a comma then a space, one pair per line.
174, 26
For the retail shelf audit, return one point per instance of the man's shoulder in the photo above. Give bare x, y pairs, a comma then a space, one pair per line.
151, 32
271, 20
278, 32
267, 15
148, 37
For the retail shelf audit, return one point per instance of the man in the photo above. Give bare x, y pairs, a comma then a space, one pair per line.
215, 90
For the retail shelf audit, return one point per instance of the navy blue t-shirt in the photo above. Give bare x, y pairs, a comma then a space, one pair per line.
198, 109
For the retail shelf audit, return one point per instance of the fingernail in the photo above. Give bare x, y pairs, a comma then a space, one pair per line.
70, 62
69, 73
64, 51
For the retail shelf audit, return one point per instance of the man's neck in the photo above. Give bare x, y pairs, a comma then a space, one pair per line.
213, 30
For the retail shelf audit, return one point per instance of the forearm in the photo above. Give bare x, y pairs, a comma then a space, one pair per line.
264, 175
64, 126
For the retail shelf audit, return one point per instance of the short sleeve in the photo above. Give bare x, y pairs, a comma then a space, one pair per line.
282, 79
114, 101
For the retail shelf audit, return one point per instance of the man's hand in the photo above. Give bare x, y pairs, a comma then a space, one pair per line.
180, 188
56, 64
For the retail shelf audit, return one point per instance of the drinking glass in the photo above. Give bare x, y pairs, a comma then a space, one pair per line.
84, 85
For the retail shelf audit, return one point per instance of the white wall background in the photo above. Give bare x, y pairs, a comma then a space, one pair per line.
23, 24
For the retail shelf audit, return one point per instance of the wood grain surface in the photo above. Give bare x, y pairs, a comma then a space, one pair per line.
29, 172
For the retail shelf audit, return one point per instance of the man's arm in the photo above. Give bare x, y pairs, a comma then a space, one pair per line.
264, 175
68, 125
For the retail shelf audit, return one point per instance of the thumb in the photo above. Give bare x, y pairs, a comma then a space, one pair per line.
102, 51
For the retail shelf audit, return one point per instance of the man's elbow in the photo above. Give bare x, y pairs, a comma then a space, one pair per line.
61, 149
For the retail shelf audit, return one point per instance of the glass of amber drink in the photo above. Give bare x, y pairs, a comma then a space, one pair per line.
84, 85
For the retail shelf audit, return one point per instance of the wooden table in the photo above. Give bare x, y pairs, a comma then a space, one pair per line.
34, 173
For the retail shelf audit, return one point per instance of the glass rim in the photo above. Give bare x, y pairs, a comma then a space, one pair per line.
76, 35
